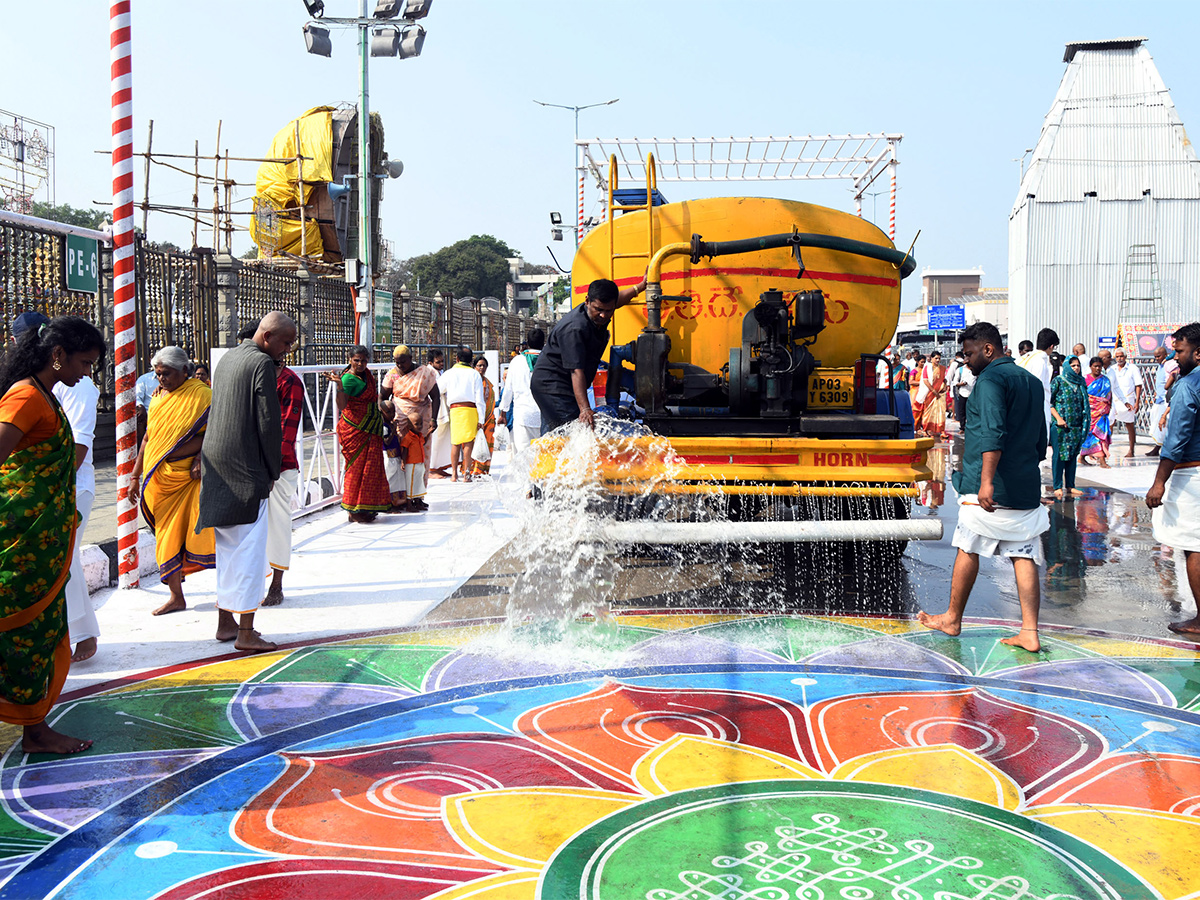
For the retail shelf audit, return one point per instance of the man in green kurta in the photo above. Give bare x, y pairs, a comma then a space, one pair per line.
999, 488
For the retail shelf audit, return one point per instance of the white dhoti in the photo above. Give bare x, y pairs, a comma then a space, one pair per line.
1005, 532
1122, 413
394, 469
279, 519
439, 446
524, 435
1177, 521
242, 563
414, 480
1156, 413
81, 618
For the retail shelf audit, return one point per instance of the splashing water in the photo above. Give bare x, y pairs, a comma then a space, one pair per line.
560, 501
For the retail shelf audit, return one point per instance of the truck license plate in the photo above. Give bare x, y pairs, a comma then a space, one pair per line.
831, 389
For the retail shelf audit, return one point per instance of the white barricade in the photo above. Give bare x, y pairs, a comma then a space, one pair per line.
317, 447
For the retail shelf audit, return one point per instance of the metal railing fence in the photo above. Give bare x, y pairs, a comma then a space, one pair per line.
32, 278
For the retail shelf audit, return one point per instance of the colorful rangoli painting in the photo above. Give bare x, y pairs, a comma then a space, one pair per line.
686, 756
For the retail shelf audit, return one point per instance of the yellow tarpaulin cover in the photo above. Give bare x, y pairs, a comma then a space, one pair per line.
278, 182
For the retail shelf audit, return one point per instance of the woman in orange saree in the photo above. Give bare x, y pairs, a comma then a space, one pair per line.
37, 523
167, 474
914, 388
933, 407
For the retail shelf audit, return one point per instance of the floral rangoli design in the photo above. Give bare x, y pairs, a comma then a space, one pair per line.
699, 756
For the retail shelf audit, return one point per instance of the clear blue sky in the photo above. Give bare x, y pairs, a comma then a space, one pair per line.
966, 83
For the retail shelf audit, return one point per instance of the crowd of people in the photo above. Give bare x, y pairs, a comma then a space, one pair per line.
216, 470
1001, 508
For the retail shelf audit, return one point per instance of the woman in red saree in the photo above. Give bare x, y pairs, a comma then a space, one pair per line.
37, 522
365, 491
933, 405
489, 423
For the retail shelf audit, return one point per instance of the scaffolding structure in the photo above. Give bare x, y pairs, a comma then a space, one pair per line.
228, 212
1141, 295
26, 161
857, 158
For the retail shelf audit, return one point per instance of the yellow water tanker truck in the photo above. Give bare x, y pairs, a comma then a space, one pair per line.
754, 352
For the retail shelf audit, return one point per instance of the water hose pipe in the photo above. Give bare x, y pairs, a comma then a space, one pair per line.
698, 247
652, 532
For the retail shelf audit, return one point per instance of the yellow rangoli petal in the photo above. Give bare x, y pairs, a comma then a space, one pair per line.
524, 826
686, 761
505, 886
947, 768
1147, 841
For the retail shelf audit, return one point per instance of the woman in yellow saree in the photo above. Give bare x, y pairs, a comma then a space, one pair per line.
37, 521
167, 472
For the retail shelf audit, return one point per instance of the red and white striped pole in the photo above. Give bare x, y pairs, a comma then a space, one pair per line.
579, 212
892, 218
125, 351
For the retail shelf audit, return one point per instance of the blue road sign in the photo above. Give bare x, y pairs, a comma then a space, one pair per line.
947, 318
1106, 343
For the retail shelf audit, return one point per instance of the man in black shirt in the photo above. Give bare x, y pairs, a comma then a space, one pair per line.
573, 352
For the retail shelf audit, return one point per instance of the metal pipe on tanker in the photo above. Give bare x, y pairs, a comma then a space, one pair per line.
671, 533
654, 283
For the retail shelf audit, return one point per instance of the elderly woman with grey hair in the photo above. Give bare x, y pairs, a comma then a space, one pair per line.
167, 473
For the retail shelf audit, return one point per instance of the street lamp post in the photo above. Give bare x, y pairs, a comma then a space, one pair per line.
388, 40
578, 162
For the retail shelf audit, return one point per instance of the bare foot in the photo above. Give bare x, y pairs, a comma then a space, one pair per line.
175, 604
1026, 639
251, 641
1189, 626
1075, 492
945, 622
227, 627
274, 595
85, 649
1103, 463
1129, 455
41, 738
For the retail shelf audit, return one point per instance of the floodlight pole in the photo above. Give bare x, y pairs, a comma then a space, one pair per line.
578, 161
367, 289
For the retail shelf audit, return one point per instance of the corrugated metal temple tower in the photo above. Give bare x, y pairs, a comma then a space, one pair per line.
1113, 168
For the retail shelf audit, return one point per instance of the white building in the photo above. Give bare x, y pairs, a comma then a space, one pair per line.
1113, 167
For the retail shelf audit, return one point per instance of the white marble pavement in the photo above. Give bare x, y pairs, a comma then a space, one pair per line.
344, 579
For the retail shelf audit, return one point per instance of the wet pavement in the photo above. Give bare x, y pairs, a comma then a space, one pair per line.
734, 729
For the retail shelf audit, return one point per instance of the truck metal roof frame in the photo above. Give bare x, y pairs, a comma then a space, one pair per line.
857, 158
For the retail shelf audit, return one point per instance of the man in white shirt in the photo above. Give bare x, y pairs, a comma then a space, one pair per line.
1164, 377
964, 380
1080, 352
909, 362
1126, 394
461, 388
143, 391
518, 410
1038, 364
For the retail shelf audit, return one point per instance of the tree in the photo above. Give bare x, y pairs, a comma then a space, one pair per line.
475, 267
68, 215
396, 275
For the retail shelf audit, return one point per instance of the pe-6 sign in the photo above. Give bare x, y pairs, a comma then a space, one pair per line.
83, 264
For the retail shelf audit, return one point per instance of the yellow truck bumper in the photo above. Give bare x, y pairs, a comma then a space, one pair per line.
779, 466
